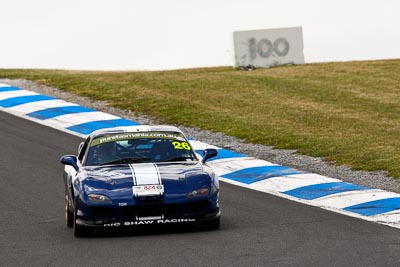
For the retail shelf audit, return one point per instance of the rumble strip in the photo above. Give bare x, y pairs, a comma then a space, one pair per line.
332, 194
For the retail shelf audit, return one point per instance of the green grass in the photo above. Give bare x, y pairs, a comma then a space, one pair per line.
346, 112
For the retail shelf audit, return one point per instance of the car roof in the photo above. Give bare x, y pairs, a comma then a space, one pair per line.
136, 128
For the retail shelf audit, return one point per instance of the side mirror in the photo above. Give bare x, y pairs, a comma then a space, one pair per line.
209, 153
70, 160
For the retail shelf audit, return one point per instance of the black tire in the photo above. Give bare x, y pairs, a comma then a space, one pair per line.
80, 230
211, 224
69, 216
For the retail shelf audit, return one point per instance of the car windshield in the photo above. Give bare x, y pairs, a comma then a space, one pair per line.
139, 148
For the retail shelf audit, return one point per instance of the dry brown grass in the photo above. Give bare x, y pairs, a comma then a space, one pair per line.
348, 112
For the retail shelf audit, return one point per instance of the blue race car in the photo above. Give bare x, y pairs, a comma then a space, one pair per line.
139, 175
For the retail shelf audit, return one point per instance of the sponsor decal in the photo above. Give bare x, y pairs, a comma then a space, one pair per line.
148, 222
181, 145
127, 136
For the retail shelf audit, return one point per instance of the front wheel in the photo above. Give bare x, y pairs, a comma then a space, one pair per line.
69, 216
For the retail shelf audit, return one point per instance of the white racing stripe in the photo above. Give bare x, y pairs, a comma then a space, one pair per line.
145, 174
136, 128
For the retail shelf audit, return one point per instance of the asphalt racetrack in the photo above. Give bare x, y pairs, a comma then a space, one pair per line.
257, 228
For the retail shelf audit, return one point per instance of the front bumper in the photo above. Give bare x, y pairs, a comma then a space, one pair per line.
148, 221
149, 214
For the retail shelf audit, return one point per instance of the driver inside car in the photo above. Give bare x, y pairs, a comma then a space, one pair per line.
106, 153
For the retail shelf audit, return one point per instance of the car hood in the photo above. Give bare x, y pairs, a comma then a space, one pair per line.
116, 181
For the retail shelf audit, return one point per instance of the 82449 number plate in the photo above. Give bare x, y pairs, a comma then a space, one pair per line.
148, 190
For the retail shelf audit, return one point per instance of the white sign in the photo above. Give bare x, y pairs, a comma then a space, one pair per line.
265, 48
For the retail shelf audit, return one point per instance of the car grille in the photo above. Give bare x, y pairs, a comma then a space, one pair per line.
102, 212
168, 210
149, 210
197, 207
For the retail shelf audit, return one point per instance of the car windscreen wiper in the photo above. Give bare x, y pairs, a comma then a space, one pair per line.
178, 159
126, 160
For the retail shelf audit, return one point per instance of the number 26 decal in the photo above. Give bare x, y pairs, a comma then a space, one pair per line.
181, 145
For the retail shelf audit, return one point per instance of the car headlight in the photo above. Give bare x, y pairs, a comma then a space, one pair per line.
99, 198
198, 192
214, 189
